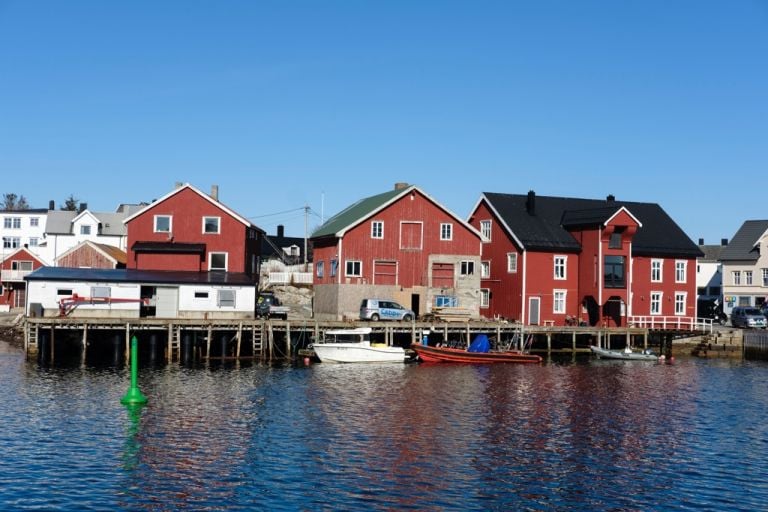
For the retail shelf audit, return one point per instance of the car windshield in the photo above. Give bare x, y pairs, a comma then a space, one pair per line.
752, 311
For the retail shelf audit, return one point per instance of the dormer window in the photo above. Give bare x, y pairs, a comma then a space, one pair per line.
85, 229
615, 241
163, 223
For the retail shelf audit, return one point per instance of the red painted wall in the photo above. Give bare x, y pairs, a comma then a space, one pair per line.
324, 251
413, 264
13, 292
188, 209
642, 286
541, 282
505, 288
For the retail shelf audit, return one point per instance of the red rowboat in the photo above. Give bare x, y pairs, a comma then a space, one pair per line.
429, 354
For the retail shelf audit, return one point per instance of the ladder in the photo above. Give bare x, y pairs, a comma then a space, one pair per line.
174, 343
257, 333
31, 340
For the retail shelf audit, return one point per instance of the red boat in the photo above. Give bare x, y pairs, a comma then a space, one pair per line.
429, 354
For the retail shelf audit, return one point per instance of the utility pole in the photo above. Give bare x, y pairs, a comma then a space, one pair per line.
306, 233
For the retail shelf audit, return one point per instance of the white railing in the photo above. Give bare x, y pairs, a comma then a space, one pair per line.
14, 275
680, 323
289, 278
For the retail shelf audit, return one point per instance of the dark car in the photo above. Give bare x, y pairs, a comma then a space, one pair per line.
749, 317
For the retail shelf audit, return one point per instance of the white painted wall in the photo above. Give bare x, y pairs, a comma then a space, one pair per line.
195, 307
46, 294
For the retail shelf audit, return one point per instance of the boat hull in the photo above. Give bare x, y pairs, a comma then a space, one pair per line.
429, 354
358, 353
619, 354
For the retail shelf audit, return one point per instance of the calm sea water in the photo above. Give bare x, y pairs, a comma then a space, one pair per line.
561, 436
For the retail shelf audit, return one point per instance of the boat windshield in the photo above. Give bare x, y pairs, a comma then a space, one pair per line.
346, 338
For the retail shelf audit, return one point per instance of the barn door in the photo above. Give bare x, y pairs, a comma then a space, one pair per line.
167, 302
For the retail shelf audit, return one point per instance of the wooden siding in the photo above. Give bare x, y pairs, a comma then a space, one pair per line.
642, 287
187, 209
85, 256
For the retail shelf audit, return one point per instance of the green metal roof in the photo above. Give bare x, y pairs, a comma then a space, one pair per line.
357, 212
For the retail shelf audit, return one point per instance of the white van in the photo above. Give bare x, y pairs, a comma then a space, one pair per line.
380, 309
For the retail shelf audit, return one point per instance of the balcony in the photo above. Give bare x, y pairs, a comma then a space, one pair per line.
7, 276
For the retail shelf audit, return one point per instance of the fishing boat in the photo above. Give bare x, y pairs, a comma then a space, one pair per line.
626, 354
478, 352
354, 346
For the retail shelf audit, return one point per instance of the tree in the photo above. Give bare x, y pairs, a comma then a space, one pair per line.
13, 202
70, 203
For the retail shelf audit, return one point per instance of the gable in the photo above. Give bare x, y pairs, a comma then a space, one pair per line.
22, 254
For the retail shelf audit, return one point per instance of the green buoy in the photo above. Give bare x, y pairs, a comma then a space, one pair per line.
134, 395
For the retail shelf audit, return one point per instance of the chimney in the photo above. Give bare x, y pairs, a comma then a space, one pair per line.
723, 242
179, 184
400, 185
51, 205
83, 207
611, 198
530, 203
701, 241
280, 231
215, 192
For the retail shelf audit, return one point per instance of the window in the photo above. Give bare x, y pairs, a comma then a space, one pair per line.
485, 229
163, 223
319, 266
226, 298
85, 229
765, 276
615, 241
34, 222
485, 269
21, 265
217, 261
680, 267
211, 225
748, 277
614, 272
446, 231
736, 276
34, 242
446, 301
560, 267
12, 222
656, 271
334, 267
101, 292
64, 291
485, 297
655, 303
377, 229
512, 262
680, 303
11, 242
201, 295
354, 268
558, 304
467, 268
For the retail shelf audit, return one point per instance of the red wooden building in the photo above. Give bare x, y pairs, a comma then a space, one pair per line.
192, 231
559, 261
401, 245
13, 269
89, 254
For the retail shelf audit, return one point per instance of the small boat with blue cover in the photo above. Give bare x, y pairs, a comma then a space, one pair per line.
478, 352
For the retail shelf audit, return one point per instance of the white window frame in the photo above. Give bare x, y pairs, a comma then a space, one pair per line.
34, 241
748, 277
218, 225
219, 300
656, 302
657, 271
226, 261
377, 229
22, 265
354, 263
680, 303
765, 276
446, 231
11, 242
34, 222
681, 271
485, 269
85, 229
486, 228
170, 223
485, 298
560, 267
467, 268
421, 235
736, 277
512, 263
559, 298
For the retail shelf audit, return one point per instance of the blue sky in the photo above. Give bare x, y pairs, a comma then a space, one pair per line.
286, 103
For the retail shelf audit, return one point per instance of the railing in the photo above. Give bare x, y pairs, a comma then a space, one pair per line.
290, 278
14, 275
680, 323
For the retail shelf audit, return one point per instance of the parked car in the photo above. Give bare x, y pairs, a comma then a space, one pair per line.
379, 309
268, 306
747, 317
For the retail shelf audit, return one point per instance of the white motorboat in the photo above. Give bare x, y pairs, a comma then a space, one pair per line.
354, 346
626, 354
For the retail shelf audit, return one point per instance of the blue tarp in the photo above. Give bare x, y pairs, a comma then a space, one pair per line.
481, 344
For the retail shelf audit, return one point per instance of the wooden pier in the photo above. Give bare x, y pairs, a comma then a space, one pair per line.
182, 340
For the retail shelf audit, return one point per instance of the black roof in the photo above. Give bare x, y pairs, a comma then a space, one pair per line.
742, 246
546, 229
124, 275
169, 247
279, 242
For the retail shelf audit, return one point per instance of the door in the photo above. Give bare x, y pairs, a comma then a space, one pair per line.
415, 304
385, 272
533, 310
167, 302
